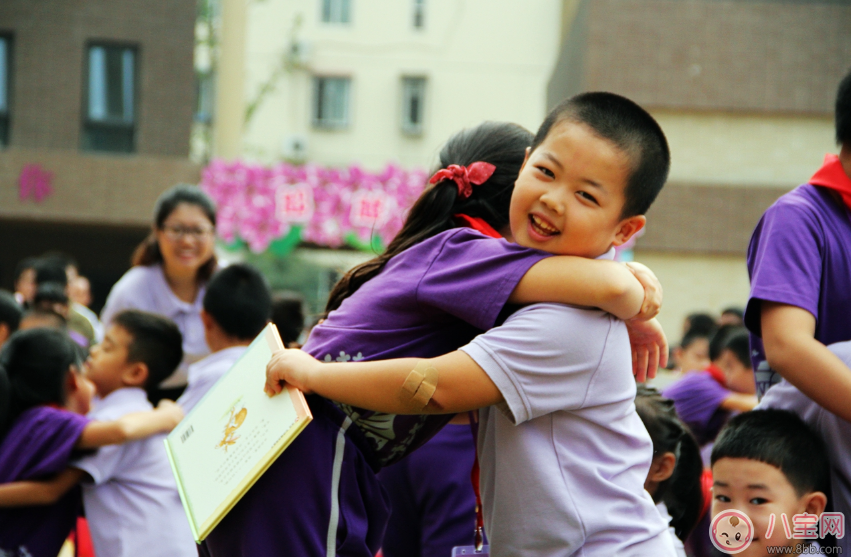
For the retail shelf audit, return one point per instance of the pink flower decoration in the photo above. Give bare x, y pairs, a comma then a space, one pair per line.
35, 182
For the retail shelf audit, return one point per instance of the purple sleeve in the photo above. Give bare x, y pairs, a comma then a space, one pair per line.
473, 275
40, 443
697, 397
784, 261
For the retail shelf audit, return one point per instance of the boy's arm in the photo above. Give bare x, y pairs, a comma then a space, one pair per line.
739, 402
788, 334
607, 285
461, 384
43, 492
131, 427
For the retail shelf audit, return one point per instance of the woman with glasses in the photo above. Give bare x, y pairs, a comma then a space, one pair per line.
170, 271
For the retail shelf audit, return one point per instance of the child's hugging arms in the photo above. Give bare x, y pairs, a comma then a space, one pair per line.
630, 292
461, 385
131, 427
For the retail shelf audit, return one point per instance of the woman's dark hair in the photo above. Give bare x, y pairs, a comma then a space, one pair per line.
682, 492
148, 252
500, 144
33, 368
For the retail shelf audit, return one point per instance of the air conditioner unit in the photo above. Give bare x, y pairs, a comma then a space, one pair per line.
299, 55
294, 148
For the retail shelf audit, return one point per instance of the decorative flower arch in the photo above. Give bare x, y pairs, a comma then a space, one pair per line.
283, 205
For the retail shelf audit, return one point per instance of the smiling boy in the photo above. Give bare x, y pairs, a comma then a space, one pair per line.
554, 382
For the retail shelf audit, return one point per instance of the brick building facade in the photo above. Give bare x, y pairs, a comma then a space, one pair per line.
97, 99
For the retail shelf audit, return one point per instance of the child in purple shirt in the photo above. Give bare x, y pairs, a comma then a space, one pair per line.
42, 399
434, 289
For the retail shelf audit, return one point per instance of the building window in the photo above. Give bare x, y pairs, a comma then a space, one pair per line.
336, 11
110, 121
413, 104
331, 102
5, 79
419, 14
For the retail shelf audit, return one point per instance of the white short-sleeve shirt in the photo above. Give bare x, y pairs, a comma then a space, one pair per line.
835, 432
145, 288
564, 458
132, 503
203, 374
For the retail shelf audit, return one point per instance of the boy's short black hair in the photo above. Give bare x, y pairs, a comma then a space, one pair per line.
10, 311
693, 335
50, 293
288, 316
843, 111
738, 342
157, 343
718, 342
781, 439
702, 323
50, 269
632, 130
239, 300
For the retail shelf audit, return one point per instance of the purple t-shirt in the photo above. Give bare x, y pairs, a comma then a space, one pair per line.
38, 445
429, 300
800, 254
697, 398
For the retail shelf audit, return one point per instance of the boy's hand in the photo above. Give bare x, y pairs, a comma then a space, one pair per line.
649, 348
289, 366
170, 409
652, 291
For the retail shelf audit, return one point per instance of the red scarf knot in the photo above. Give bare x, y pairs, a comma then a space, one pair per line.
465, 176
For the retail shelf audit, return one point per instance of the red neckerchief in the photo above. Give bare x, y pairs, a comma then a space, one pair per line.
479, 224
717, 373
832, 176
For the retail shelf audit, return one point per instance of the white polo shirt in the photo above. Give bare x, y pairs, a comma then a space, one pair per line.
203, 375
133, 506
563, 460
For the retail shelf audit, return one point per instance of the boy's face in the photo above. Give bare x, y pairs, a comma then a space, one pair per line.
569, 196
107, 365
758, 490
695, 356
740, 378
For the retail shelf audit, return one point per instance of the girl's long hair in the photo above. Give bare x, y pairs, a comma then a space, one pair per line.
148, 251
500, 144
33, 367
682, 492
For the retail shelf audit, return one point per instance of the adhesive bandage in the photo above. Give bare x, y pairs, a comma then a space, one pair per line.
419, 386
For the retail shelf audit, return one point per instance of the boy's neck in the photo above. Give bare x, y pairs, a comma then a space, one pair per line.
218, 340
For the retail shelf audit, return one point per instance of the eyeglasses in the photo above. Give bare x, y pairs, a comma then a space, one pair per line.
197, 233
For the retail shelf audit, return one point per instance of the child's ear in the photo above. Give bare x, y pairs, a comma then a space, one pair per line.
662, 467
135, 375
628, 228
815, 502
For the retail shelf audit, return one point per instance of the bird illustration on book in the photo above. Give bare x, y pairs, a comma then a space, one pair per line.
236, 419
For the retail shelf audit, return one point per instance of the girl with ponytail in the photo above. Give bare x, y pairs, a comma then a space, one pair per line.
674, 479
445, 277
43, 401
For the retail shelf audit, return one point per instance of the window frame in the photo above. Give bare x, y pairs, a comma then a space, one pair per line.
418, 10
327, 123
339, 12
91, 127
7, 76
408, 127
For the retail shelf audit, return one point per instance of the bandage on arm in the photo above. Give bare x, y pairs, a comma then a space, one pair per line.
405, 386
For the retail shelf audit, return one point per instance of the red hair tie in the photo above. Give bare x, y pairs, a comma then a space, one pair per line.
465, 176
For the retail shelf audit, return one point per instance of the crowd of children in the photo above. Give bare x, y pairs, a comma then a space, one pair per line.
494, 339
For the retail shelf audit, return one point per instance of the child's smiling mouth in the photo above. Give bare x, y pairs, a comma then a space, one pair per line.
541, 226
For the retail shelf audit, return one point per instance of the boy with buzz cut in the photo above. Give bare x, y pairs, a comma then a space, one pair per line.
563, 453
130, 496
237, 306
767, 463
